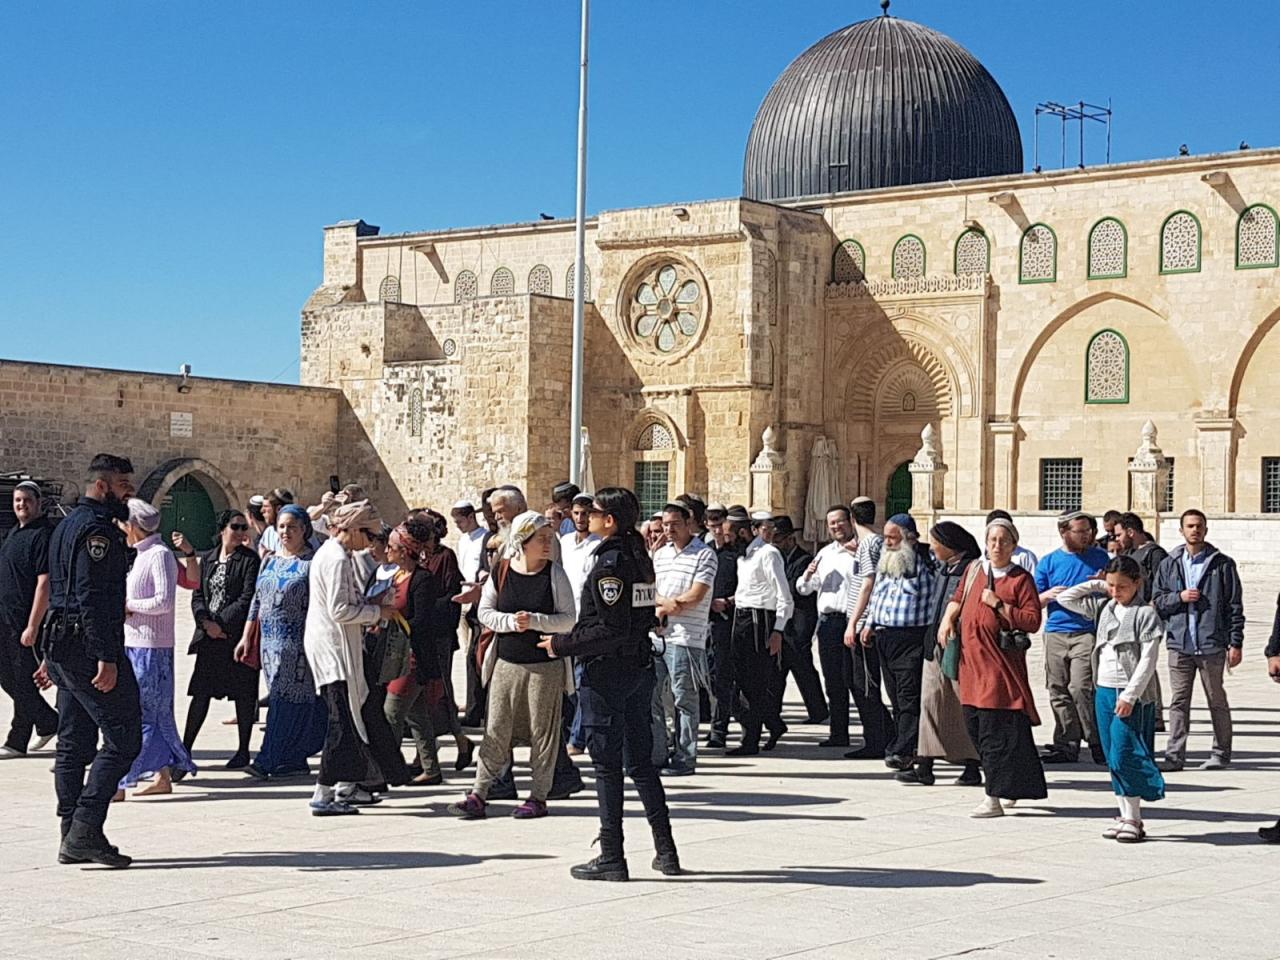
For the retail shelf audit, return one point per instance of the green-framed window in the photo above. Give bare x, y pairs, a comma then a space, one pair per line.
908, 258
1108, 249
972, 253
848, 262
1106, 368
1257, 238
1180, 243
1038, 255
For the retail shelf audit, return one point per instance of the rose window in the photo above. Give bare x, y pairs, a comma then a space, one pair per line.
667, 310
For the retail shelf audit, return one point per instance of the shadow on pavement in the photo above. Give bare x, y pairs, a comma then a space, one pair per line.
856, 877
325, 860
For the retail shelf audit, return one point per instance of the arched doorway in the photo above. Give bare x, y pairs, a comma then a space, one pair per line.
189, 508
897, 498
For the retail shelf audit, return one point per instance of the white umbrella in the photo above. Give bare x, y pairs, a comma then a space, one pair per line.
824, 489
588, 476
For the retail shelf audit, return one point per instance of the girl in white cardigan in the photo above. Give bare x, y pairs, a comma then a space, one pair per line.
1129, 636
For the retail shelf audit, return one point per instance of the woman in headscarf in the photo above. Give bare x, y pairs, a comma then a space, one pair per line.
526, 598
336, 615
151, 592
998, 605
942, 725
296, 717
220, 605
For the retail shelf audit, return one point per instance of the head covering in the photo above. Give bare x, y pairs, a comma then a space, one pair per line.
564, 491
679, 506
906, 522
761, 516
143, 515
409, 541
464, 506
293, 510
955, 537
31, 487
257, 500
225, 517
1003, 524
716, 507
783, 526
860, 500
524, 526
737, 514
361, 515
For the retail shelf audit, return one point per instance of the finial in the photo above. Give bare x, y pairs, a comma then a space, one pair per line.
884, 7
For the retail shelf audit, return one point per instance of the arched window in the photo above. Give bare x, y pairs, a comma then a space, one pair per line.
908, 258
1108, 249
848, 263
655, 437
653, 458
586, 276
389, 289
973, 253
908, 402
1038, 255
465, 287
540, 280
415, 412
1257, 238
1180, 243
502, 283
1106, 373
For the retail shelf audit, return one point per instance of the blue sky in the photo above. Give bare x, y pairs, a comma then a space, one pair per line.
167, 167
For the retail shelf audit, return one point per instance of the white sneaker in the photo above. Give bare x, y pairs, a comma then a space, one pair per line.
357, 797
990, 807
42, 742
1009, 803
8, 753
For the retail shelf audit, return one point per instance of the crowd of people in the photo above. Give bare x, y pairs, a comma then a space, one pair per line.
589, 628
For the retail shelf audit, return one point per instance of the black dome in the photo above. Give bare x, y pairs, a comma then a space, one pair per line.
881, 103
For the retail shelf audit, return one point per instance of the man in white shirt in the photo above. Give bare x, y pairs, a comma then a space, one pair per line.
470, 539
578, 549
762, 606
684, 573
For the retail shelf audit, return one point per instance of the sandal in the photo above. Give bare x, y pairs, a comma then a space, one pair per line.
1130, 831
530, 810
1112, 831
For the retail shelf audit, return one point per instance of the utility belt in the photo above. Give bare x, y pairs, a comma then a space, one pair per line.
60, 631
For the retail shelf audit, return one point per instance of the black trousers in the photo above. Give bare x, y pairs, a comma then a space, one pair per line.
616, 701
797, 660
758, 673
477, 696
30, 710
84, 713
901, 652
724, 688
345, 758
853, 673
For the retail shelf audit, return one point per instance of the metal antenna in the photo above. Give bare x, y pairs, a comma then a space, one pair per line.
1078, 113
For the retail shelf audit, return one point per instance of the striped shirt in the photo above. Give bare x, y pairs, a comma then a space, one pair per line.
870, 547
675, 571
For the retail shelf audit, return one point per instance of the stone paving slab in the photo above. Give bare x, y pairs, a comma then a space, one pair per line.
799, 853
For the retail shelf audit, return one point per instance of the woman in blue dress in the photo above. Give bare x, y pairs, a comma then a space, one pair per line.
296, 717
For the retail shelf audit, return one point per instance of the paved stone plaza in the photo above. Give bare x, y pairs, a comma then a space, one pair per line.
794, 854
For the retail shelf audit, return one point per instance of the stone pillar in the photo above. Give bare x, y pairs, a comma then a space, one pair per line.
1004, 460
1216, 441
768, 477
1149, 480
927, 474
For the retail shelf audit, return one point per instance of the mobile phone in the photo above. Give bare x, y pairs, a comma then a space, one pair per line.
334, 485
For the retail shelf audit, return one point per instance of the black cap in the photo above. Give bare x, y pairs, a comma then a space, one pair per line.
782, 526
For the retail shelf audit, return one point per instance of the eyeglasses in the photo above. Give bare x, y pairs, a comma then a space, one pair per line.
239, 527
595, 511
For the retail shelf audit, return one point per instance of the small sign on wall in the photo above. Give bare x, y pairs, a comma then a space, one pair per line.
180, 424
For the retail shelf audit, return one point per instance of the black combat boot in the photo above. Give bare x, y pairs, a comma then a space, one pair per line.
610, 865
667, 861
83, 844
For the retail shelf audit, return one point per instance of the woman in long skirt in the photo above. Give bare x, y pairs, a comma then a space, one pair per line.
148, 639
296, 716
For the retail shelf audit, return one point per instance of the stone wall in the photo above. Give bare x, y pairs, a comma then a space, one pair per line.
247, 437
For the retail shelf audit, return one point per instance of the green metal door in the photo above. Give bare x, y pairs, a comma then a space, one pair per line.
187, 507
898, 499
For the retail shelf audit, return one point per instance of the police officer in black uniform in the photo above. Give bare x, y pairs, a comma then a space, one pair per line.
84, 657
612, 639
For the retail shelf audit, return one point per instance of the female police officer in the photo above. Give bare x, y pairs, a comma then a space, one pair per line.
611, 637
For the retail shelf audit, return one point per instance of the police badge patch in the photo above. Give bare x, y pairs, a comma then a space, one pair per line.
97, 547
610, 590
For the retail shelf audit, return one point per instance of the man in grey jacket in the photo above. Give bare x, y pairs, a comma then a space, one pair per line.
1198, 595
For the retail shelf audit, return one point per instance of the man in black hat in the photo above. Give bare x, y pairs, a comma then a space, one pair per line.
797, 650
728, 531
562, 496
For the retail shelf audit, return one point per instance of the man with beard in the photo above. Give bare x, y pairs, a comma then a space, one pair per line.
1134, 541
898, 619
797, 651
85, 659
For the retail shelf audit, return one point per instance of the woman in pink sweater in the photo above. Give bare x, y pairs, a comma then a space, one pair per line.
148, 640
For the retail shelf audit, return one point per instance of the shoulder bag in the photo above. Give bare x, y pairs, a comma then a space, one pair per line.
950, 654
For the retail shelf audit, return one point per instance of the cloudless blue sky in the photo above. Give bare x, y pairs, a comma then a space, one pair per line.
167, 167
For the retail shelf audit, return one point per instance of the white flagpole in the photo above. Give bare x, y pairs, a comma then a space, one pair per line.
579, 269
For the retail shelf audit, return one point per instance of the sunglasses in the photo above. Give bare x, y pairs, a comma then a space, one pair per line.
597, 511
239, 527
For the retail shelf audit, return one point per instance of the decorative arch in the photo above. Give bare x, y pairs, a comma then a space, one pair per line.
892, 356
907, 389
1038, 255
158, 482
1246, 356
1108, 249
389, 289
540, 280
908, 258
972, 253
586, 281
848, 262
1257, 238
1106, 368
1180, 243
639, 434
465, 287
502, 283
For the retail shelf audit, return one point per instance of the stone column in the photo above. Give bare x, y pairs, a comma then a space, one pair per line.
1149, 480
927, 473
1216, 441
768, 477
1004, 460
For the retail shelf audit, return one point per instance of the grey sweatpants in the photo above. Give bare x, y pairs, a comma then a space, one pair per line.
524, 705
